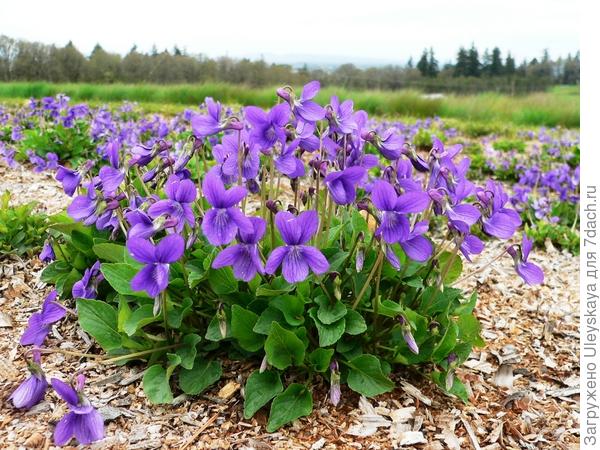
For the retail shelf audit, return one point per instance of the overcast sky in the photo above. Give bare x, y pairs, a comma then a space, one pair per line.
313, 30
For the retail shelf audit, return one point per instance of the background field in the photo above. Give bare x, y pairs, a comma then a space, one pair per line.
556, 106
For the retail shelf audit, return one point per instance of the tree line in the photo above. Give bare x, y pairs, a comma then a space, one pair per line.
22, 60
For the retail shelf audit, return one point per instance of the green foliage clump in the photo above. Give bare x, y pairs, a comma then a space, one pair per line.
422, 139
22, 230
357, 323
561, 236
68, 143
508, 145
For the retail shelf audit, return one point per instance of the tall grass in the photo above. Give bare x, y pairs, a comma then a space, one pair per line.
558, 106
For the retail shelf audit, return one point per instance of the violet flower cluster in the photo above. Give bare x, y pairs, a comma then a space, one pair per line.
83, 422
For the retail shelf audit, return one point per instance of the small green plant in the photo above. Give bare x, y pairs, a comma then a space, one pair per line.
69, 143
561, 236
508, 145
22, 230
422, 139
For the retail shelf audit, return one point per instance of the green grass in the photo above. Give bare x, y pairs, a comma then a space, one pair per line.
558, 106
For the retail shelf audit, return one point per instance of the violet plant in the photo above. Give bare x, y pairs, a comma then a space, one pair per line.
300, 238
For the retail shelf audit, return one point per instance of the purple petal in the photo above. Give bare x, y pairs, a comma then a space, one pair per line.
464, 213
169, 249
392, 258
214, 190
153, 278
471, 245
161, 207
288, 227
234, 196
81, 208
412, 202
259, 227
186, 192
248, 264
294, 266
315, 259
30, 392
255, 115
526, 247
308, 223
310, 111
141, 250
394, 227
499, 225
65, 391
310, 90
36, 331
51, 310
227, 256
530, 273
280, 114
65, 429
218, 226
384, 196
111, 179
275, 259
89, 427
240, 220
418, 248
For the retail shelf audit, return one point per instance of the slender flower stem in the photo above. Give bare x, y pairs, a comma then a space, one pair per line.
476, 271
99, 359
198, 182
376, 298
374, 269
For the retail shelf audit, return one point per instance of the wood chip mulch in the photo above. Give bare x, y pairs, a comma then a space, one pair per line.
524, 384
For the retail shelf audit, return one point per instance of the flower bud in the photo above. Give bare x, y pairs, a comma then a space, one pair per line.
434, 328
360, 258
294, 183
222, 317
304, 198
253, 186
272, 205
264, 365
407, 335
335, 392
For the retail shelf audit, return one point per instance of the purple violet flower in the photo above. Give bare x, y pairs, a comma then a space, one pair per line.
335, 391
407, 335
177, 206
498, 221
342, 185
245, 256
529, 272
71, 179
207, 125
87, 287
223, 220
341, 116
395, 226
83, 422
417, 247
304, 107
154, 276
47, 254
40, 322
268, 128
31, 391
295, 257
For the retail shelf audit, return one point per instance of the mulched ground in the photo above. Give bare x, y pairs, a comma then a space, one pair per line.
524, 383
